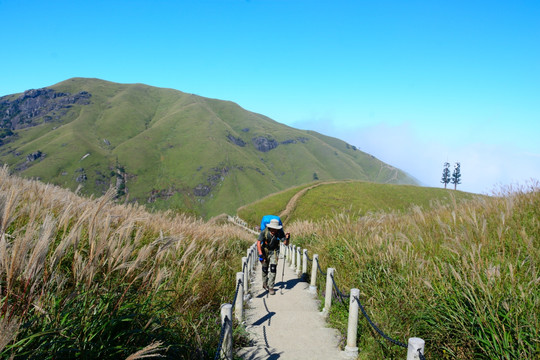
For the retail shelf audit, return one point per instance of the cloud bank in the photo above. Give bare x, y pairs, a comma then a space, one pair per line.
485, 168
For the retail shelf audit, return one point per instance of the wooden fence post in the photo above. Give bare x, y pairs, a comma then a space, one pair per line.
288, 252
298, 261
328, 294
239, 310
249, 260
351, 350
245, 266
254, 256
304, 263
414, 345
226, 321
293, 257
313, 284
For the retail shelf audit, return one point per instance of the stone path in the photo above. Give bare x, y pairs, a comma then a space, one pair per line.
287, 325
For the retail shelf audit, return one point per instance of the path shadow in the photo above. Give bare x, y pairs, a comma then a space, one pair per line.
289, 284
272, 356
264, 318
262, 294
255, 355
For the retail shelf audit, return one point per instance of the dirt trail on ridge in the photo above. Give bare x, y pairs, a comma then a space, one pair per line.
291, 205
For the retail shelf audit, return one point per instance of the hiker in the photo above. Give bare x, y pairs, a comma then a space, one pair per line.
268, 247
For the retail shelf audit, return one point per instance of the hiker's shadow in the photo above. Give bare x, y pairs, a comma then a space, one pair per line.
289, 284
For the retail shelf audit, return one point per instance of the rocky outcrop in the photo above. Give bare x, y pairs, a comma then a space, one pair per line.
164, 194
37, 105
34, 156
37, 155
264, 144
81, 175
301, 139
217, 176
238, 141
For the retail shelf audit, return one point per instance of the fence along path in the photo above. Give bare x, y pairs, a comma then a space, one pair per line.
288, 325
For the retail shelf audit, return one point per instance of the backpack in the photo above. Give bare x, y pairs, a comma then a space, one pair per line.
266, 220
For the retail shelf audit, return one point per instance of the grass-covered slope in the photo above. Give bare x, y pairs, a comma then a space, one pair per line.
175, 150
462, 275
89, 279
323, 200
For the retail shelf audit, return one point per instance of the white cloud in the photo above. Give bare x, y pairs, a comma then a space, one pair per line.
484, 167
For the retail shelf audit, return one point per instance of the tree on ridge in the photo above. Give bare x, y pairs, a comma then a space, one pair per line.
446, 174
456, 175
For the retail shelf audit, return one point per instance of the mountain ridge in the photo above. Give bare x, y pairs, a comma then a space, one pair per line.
170, 149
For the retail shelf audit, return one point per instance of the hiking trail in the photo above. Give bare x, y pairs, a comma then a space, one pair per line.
287, 325
291, 205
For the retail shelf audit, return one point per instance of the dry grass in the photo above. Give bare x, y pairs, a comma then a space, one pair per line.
464, 277
55, 243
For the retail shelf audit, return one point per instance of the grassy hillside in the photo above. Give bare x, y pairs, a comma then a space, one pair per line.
324, 200
271, 204
88, 279
172, 150
462, 275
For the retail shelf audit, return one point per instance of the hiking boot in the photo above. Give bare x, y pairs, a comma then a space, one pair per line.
271, 291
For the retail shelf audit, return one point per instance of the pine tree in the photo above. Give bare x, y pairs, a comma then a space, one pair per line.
446, 174
456, 175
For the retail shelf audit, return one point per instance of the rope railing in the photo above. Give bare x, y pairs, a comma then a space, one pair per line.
320, 270
244, 266
395, 342
225, 345
228, 322
237, 221
415, 346
239, 282
338, 292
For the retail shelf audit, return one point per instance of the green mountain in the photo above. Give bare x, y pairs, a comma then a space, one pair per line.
168, 149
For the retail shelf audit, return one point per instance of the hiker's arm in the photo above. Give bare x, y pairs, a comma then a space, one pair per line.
259, 246
287, 237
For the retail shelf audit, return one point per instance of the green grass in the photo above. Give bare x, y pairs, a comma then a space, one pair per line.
326, 200
273, 204
364, 197
462, 275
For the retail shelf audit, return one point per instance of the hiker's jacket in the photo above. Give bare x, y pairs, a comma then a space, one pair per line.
268, 241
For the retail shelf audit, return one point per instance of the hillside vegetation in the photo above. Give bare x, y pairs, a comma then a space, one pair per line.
168, 149
86, 278
323, 200
462, 275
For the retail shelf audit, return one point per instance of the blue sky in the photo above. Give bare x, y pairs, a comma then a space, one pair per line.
414, 83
